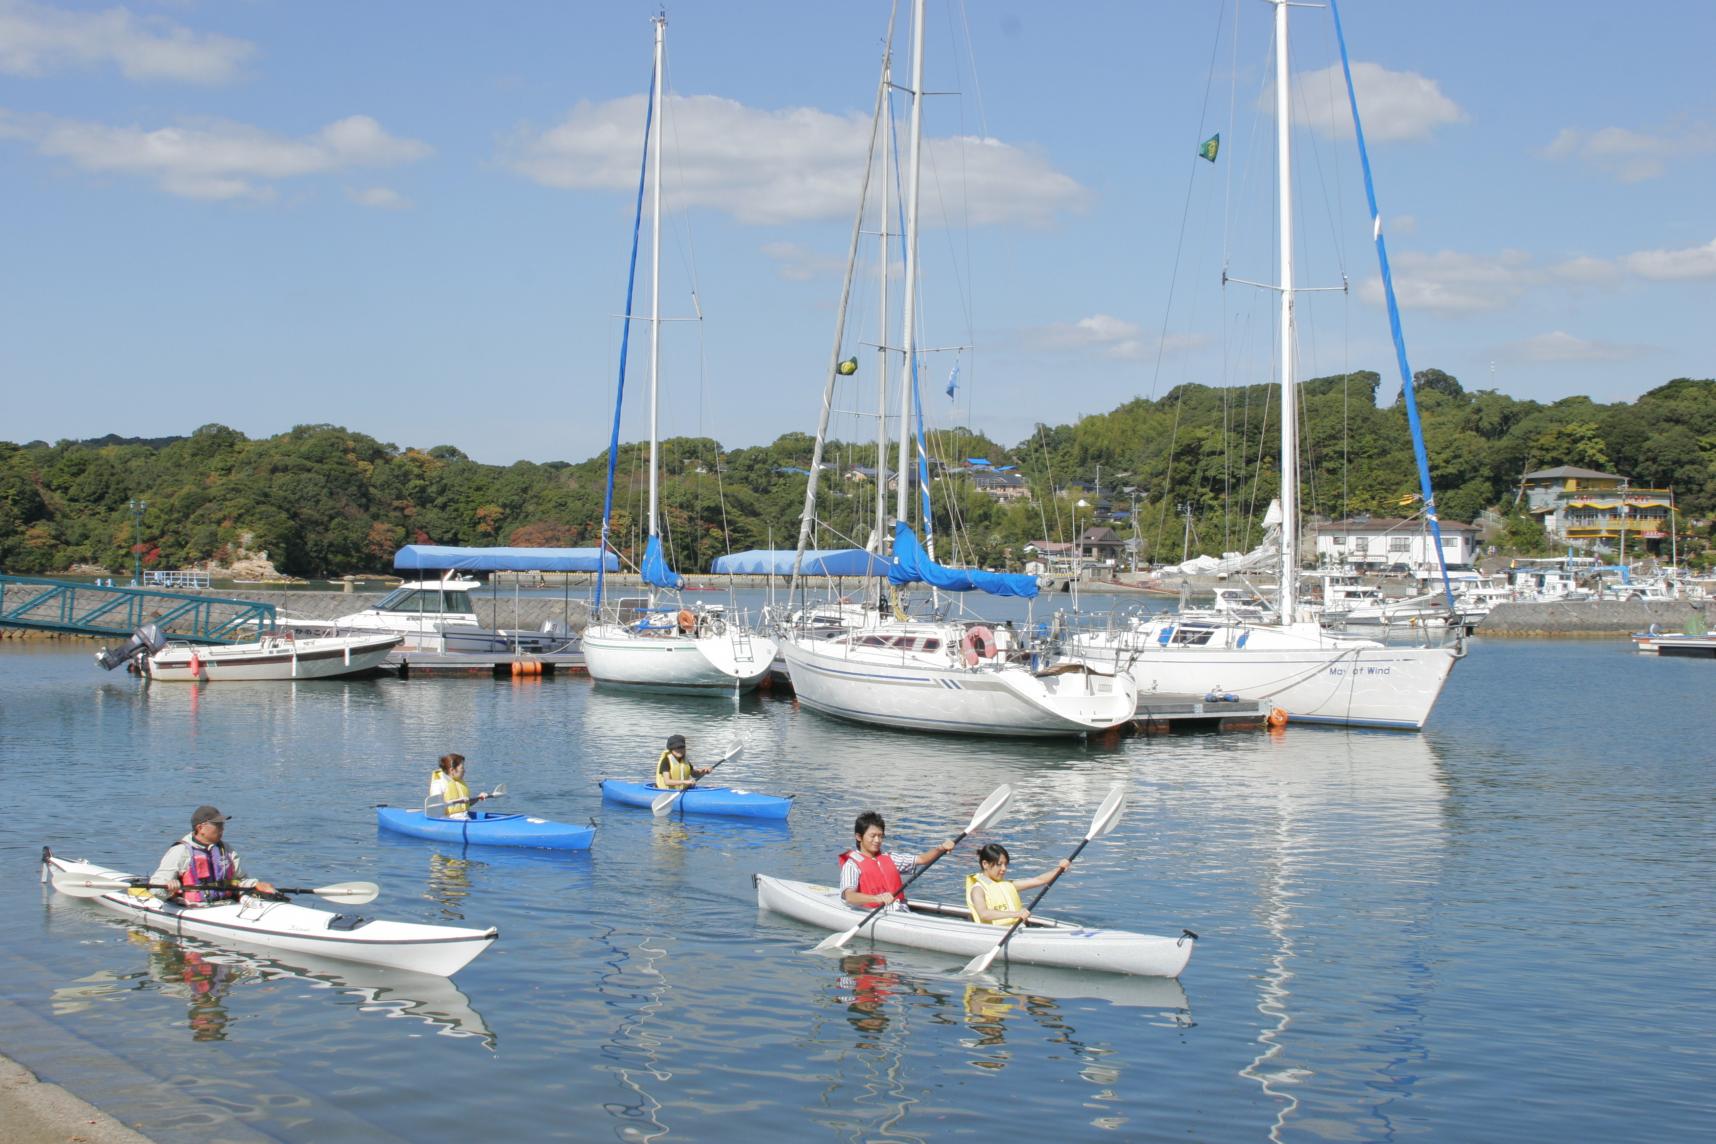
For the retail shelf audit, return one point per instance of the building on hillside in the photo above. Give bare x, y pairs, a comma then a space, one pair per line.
1391, 544
1600, 511
1004, 487
1099, 544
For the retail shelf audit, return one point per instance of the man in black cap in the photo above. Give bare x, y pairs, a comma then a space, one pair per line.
672, 772
201, 859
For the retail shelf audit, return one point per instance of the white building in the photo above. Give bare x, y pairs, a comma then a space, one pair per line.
1380, 544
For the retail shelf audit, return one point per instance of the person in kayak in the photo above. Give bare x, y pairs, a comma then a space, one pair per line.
991, 897
870, 878
202, 859
672, 772
447, 785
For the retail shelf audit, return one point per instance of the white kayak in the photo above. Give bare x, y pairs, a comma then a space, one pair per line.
949, 929
261, 923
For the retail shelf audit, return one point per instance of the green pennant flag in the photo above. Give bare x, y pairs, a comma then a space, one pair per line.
1210, 147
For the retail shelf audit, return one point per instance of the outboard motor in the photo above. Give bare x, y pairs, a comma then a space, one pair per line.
146, 640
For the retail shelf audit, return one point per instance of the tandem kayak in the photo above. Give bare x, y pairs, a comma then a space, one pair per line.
949, 929
266, 924
486, 828
701, 800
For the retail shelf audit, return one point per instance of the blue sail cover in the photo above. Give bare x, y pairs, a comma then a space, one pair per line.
655, 569
817, 562
911, 565
443, 558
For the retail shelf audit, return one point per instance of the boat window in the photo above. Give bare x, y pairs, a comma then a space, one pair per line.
931, 645
390, 602
871, 641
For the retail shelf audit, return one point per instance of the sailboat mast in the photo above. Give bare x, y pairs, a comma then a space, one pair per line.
1289, 387
882, 312
908, 326
655, 286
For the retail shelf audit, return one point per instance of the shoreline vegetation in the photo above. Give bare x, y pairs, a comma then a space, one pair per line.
321, 502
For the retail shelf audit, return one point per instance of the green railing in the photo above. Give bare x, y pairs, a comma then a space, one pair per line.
85, 609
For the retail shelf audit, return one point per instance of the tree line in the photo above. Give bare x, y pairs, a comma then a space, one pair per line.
324, 501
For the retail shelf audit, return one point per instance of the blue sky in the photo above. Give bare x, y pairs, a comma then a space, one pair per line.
413, 219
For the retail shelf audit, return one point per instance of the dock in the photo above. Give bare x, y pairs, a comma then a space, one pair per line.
1164, 712
415, 663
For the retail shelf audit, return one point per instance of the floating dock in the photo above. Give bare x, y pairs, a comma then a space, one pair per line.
415, 663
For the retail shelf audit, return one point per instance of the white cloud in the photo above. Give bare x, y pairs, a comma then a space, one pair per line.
1396, 105
384, 198
213, 159
1455, 283
797, 263
36, 40
1674, 265
1559, 346
1630, 156
766, 167
1108, 336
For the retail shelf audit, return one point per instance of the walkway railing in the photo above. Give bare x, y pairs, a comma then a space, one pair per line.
84, 609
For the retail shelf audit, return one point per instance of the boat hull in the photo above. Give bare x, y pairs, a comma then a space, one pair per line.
983, 700
485, 828
272, 658
254, 923
677, 663
947, 929
724, 801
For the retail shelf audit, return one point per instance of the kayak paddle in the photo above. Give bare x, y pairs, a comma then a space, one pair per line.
1107, 815
496, 793
986, 814
351, 893
664, 802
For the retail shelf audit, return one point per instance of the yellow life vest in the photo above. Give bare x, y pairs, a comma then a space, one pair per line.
996, 896
670, 768
454, 793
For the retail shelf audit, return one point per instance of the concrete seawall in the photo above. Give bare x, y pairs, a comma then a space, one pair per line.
1596, 618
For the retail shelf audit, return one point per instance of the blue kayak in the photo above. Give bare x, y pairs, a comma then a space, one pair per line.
701, 800
486, 828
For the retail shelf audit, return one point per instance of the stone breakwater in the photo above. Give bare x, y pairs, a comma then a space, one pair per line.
1597, 618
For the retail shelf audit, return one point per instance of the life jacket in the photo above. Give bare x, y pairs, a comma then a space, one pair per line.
876, 875
208, 865
996, 895
454, 793
672, 768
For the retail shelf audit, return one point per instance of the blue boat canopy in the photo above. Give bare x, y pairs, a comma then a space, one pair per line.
444, 558
817, 562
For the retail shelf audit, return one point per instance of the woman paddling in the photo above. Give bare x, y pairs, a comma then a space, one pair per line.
447, 785
672, 771
992, 898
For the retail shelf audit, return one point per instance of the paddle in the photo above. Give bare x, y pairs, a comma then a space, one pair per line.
496, 793
986, 814
1106, 816
664, 802
351, 893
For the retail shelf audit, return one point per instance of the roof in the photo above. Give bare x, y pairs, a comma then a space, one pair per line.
817, 562
1570, 471
442, 558
1388, 524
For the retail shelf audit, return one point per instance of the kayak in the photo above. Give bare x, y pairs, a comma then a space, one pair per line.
486, 828
949, 929
701, 800
261, 923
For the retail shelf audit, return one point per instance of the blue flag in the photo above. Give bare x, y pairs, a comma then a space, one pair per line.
953, 380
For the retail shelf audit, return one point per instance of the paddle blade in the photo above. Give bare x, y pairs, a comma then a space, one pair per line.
664, 802
992, 808
835, 940
981, 962
351, 893
1108, 814
76, 886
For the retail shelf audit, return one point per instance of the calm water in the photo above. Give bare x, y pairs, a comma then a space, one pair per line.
1499, 929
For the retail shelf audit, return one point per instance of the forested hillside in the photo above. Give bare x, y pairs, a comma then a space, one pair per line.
325, 501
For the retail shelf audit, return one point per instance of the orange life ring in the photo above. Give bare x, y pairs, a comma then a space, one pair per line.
1277, 717
687, 621
978, 644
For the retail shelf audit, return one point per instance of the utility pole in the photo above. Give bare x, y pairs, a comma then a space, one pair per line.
137, 509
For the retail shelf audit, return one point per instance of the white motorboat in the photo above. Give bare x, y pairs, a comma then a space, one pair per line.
438, 616
275, 657
261, 923
949, 929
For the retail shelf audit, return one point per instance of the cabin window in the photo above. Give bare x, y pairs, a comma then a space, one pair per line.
931, 645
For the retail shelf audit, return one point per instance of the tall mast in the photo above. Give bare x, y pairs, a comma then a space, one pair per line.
908, 328
655, 283
1289, 388
882, 312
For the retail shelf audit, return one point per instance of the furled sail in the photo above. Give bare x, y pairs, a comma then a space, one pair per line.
912, 565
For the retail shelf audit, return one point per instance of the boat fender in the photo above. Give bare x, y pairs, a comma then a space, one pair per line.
1277, 717
978, 644
687, 621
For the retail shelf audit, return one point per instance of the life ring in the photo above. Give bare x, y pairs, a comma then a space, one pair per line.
978, 644
687, 620
1277, 717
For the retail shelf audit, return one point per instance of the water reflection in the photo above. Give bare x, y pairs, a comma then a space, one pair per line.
449, 884
637, 988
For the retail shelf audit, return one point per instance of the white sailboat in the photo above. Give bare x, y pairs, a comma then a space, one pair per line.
651, 644
1315, 675
960, 677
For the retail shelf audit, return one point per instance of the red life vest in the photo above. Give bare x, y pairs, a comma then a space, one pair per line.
208, 865
876, 875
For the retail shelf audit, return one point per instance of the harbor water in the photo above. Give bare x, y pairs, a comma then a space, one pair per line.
1499, 929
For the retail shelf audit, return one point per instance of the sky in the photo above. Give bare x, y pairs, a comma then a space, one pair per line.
414, 219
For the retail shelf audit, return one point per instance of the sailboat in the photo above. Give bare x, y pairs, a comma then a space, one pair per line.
938, 675
662, 643
1315, 675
